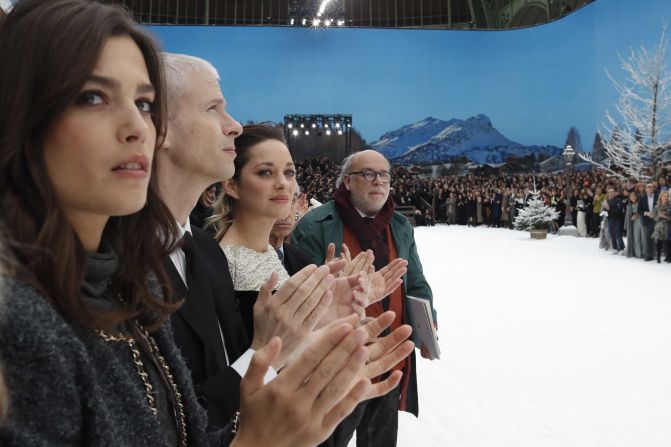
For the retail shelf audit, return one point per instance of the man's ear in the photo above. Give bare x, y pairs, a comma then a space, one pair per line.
165, 144
346, 180
231, 188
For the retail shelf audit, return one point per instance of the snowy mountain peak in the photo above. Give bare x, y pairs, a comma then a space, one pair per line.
481, 118
432, 140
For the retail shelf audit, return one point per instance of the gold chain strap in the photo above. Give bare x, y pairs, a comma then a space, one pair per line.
139, 365
144, 377
179, 405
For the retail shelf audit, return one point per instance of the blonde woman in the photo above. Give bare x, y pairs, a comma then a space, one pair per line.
660, 232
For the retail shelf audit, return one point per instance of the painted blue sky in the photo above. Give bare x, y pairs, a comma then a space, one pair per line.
533, 83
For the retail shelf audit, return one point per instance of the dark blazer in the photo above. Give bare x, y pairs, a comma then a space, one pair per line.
208, 302
643, 207
295, 259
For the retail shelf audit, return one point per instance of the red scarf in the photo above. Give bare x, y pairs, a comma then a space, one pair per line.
370, 232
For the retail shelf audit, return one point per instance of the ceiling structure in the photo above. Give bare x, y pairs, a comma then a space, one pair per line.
428, 14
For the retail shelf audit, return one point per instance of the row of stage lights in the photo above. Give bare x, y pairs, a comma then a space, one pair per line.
317, 22
318, 124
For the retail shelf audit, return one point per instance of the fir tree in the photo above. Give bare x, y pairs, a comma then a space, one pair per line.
536, 214
573, 139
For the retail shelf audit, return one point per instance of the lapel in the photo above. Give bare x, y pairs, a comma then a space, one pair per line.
400, 241
178, 286
199, 310
333, 232
223, 305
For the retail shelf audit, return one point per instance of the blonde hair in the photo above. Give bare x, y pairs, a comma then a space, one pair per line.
223, 210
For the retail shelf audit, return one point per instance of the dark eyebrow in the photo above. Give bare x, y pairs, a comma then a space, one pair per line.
114, 84
290, 163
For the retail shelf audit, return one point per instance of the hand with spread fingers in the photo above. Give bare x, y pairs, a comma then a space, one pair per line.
293, 311
387, 279
303, 405
360, 291
351, 294
385, 353
361, 262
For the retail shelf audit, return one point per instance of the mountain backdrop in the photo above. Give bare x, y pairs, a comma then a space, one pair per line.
432, 141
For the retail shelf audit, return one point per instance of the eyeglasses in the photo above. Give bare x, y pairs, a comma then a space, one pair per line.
370, 175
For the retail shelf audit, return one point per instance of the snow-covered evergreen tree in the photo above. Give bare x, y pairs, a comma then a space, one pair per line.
536, 214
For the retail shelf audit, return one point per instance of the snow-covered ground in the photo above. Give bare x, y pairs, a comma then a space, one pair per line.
544, 343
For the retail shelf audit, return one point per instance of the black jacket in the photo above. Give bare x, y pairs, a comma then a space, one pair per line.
295, 259
643, 208
617, 207
210, 304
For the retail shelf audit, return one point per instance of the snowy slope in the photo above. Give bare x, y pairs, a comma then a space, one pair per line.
397, 142
545, 344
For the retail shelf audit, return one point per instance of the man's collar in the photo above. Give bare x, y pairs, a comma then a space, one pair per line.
185, 228
362, 214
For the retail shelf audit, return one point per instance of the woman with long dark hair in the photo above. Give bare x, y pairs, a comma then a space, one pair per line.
87, 354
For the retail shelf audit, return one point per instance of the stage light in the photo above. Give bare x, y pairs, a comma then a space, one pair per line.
304, 21
315, 22
318, 125
341, 22
327, 22
292, 21
319, 14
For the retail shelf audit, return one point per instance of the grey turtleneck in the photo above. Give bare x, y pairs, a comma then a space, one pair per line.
97, 288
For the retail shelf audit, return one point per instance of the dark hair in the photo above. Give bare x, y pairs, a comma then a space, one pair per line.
3, 400
48, 49
223, 210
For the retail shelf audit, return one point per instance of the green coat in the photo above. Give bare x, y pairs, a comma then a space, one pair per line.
323, 225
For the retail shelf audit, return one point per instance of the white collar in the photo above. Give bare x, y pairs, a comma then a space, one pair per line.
364, 214
184, 229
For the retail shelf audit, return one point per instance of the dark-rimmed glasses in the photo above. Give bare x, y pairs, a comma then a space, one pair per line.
370, 175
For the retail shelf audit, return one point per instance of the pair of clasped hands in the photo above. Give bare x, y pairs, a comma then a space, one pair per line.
313, 330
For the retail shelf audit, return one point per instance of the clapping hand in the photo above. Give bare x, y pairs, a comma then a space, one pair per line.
312, 395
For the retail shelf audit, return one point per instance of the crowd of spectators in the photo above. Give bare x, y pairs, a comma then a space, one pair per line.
600, 205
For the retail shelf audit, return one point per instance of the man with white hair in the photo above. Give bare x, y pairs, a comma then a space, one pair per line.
199, 150
362, 216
